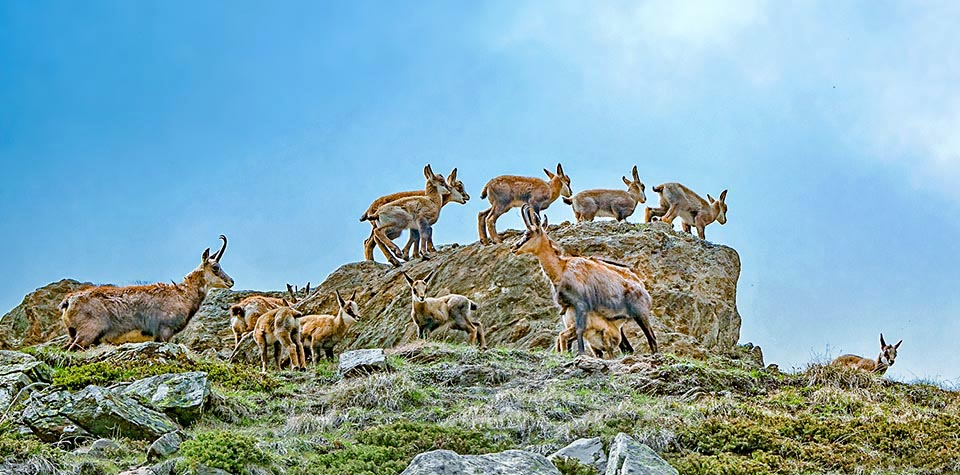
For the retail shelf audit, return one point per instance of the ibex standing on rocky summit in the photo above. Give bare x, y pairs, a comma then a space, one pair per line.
584, 286
326, 331
507, 192
458, 195
888, 354
418, 213
141, 312
617, 204
678, 200
454, 310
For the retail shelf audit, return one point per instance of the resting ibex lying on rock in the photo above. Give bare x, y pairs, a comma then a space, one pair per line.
507, 192
276, 328
617, 204
458, 195
141, 312
678, 200
326, 331
418, 213
584, 286
888, 354
244, 315
454, 310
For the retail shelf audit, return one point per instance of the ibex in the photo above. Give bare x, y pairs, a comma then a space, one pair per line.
418, 213
617, 204
583, 286
678, 200
454, 310
142, 312
276, 328
507, 192
888, 354
458, 195
326, 331
244, 315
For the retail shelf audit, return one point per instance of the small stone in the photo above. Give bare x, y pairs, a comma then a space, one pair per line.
510, 462
164, 447
587, 451
629, 457
358, 362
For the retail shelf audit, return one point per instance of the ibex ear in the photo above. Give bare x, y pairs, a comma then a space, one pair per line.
206, 255
723, 195
897, 346
427, 172
340, 299
546, 222
710, 198
549, 173
882, 343
636, 176
353, 297
429, 276
407, 278
453, 176
626, 181
559, 170
307, 294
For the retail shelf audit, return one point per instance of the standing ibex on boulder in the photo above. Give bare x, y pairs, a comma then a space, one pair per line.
617, 204
142, 312
888, 354
244, 315
583, 286
507, 192
418, 213
326, 331
458, 195
454, 310
678, 200
276, 328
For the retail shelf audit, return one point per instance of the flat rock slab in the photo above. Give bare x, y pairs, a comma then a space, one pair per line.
359, 362
180, 395
587, 451
629, 457
510, 462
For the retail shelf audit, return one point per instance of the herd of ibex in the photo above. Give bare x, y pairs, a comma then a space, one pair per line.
596, 296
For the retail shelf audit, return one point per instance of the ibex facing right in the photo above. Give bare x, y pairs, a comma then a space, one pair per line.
616, 204
507, 192
888, 354
677, 200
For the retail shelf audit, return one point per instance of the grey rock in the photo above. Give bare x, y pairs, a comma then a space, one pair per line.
587, 451
164, 447
43, 415
629, 457
98, 448
510, 462
182, 396
104, 413
145, 352
17, 371
361, 362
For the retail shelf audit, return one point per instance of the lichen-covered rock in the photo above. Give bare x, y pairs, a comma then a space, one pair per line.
37, 318
43, 416
164, 447
145, 352
587, 451
106, 413
182, 395
361, 362
510, 462
99, 448
629, 457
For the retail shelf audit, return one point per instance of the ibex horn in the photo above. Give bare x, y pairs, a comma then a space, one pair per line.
219, 253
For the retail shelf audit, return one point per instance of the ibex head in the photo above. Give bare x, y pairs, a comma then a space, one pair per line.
535, 234
562, 178
635, 187
213, 276
888, 353
436, 181
419, 286
719, 207
349, 306
457, 193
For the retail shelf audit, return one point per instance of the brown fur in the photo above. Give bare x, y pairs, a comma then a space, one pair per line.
588, 286
616, 204
888, 355
244, 315
507, 192
276, 328
458, 195
677, 200
326, 331
453, 310
155, 312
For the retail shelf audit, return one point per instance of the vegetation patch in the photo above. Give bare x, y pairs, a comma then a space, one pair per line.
239, 377
572, 466
226, 450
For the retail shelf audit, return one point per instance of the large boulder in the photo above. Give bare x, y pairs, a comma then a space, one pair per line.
37, 318
182, 396
356, 362
510, 462
629, 457
586, 451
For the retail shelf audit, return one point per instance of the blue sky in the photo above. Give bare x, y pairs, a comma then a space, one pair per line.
133, 133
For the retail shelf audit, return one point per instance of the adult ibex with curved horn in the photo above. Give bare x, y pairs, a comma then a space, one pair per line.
155, 312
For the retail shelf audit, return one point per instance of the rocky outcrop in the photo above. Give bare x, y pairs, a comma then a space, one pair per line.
510, 462
37, 318
629, 457
182, 396
586, 451
19, 371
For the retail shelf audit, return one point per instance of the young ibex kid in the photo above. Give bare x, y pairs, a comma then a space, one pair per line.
244, 314
454, 310
888, 354
276, 328
155, 312
617, 204
507, 192
585, 285
458, 195
678, 200
418, 213
326, 331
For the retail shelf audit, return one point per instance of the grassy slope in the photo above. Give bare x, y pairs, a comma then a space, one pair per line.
723, 415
